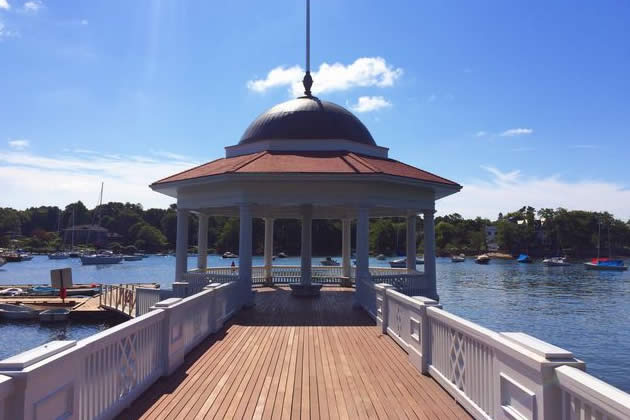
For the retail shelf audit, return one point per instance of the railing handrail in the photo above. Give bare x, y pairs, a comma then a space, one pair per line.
126, 328
604, 396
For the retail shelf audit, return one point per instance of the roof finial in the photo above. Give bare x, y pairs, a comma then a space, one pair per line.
308, 80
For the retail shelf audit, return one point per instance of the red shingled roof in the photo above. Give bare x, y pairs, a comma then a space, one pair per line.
270, 162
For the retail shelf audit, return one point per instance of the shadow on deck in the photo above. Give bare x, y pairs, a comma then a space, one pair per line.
297, 358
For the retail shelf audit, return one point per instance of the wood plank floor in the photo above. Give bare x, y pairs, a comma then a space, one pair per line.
297, 358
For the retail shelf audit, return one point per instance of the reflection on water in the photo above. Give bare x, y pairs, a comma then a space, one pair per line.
587, 312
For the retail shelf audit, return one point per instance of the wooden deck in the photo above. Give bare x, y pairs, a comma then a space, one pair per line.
297, 358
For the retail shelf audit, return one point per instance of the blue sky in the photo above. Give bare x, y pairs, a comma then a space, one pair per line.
521, 102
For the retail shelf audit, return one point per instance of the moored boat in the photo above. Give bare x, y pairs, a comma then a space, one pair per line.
228, 254
524, 258
282, 255
26, 256
11, 257
380, 257
97, 259
328, 261
2, 261
402, 262
482, 259
54, 315
556, 262
132, 257
58, 256
605, 264
458, 258
17, 312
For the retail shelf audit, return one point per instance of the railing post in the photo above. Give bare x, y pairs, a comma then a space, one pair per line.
381, 306
173, 350
425, 333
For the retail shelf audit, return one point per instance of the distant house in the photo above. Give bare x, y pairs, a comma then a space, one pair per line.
491, 238
86, 234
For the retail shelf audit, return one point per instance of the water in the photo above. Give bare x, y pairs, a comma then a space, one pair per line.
587, 312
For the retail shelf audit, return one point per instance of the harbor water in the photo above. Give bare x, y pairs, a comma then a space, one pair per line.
587, 312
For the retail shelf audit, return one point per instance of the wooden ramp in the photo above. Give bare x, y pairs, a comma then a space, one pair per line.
297, 358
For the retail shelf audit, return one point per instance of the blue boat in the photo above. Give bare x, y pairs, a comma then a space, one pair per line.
524, 258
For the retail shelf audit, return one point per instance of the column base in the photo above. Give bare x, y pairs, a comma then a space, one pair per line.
305, 290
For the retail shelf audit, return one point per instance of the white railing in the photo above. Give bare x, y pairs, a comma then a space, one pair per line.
97, 377
586, 397
411, 284
492, 375
121, 298
146, 298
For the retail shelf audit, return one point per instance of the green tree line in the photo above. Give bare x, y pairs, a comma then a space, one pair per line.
537, 232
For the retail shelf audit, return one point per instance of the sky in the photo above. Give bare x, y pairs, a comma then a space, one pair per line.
521, 102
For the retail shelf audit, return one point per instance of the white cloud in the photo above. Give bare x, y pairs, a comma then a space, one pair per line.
7, 33
516, 132
508, 191
19, 144
33, 6
83, 22
481, 133
28, 179
4, 4
370, 103
364, 72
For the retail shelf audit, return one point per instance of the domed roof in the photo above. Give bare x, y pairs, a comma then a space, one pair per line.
307, 118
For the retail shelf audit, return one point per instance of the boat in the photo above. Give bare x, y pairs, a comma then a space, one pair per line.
96, 259
2, 261
17, 312
482, 259
132, 257
26, 256
328, 261
12, 291
282, 255
74, 254
54, 315
228, 254
43, 291
58, 256
380, 257
402, 262
458, 258
11, 257
605, 264
524, 258
556, 262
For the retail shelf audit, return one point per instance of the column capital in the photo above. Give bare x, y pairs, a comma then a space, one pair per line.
202, 216
428, 211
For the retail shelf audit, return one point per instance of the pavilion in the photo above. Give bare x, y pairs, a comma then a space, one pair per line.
307, 159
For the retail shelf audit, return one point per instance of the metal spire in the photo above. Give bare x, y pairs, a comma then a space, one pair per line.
308, 80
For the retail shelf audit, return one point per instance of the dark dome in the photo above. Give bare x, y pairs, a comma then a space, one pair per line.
307, 118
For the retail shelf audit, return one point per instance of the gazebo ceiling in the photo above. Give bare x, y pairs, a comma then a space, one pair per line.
307, 118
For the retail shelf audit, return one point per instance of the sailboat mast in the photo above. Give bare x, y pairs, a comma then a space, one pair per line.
73, 208
599, 235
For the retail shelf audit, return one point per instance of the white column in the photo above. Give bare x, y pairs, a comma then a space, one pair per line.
181, 245
363, 264
411, 242
202, 242
429, 254
305, 253
268, 249
346, 241
245, 254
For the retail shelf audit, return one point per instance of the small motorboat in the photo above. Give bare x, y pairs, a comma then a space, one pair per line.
12, 291
132, 257
54, 315
556, 262
380, 257
458, 258
58, 256
328, 261
97, 259
282, 255
228, 254
26, 256
605, 264
524, 258
74, 254
402, 262
11, 257
482, 259
43, 291
17, 312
